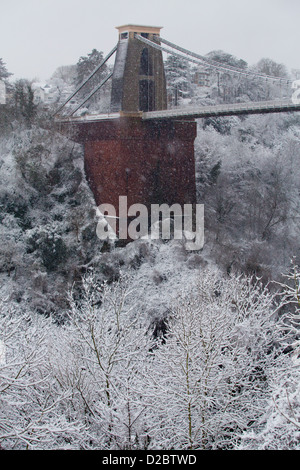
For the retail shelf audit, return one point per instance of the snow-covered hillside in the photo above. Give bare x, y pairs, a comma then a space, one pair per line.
100, 342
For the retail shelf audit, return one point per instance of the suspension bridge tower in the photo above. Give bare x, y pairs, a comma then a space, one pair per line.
149, 161
138, 82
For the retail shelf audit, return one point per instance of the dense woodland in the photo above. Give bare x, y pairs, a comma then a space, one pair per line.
150, 346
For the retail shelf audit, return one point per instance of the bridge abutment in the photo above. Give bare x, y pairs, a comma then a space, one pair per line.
150, 162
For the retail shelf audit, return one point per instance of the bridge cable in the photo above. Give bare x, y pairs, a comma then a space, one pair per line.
86, 80
219, 65
163, 49
91, 93
200, 60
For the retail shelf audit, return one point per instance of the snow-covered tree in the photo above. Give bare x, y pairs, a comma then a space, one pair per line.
289, 325
98, 381
110, 348
270, 67
86, 65
210, 376
4, 74
31, 416
178, 77
279, 426
24, 101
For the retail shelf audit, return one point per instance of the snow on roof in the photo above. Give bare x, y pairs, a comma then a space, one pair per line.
120, 60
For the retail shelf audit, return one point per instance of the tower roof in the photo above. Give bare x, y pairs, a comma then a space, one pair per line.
139, 29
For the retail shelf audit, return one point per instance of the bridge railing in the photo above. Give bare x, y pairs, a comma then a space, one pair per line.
225, 109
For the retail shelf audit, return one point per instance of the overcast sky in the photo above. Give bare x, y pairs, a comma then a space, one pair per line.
37, 36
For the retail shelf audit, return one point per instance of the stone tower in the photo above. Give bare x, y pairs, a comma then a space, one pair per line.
138, 82
148, 161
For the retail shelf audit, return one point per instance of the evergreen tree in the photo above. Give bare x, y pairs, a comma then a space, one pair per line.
270, 67
226, 59
24, 101
229, 85
178, 78
85, 66
4, 74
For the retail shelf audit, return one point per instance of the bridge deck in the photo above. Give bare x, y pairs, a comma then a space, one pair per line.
254, 107
194, 112
87, 118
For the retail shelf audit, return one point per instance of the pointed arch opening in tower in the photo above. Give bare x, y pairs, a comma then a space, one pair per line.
146, 95
146, 67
